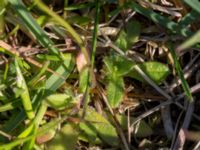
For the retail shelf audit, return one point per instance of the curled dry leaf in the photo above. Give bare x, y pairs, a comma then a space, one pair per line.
81, 62
45, 137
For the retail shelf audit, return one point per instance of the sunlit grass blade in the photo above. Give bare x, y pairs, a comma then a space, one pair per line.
43, 130
25, 97
33, 128
5, 75
15, 143
34, 80
26, 100
179, 71
54, 82
10, 105
27, 131
29, 144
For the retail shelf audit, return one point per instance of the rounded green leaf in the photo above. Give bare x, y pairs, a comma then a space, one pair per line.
154, 70
59, 101
118, 64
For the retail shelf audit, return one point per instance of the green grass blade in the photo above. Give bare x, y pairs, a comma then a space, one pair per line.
34, 80
31, 142
17, 118
27, 131
189, 18
10, 105
36, 123
25, 97
158, 19
44, 129
86, 75
96, 24
15, 143
185, 85
190, 42
5, 75
54, 81
195, 4
32, 26
14, 121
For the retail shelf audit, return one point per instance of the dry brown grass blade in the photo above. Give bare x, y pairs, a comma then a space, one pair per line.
180, 141
9, 48
149, 112
8, 136
160, 8
192, 135
167, 121
179, 4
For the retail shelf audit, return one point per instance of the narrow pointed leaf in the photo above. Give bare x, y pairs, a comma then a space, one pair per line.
59, 101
